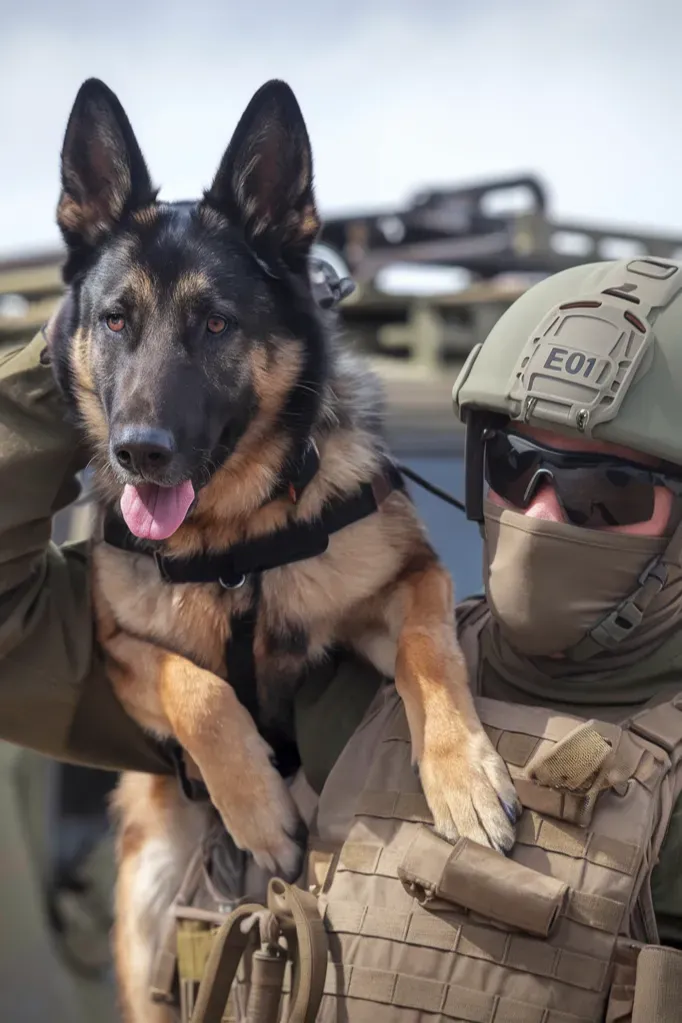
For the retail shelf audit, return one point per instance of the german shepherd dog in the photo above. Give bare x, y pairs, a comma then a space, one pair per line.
192, 351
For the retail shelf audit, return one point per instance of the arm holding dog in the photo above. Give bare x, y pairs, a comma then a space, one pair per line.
54, 694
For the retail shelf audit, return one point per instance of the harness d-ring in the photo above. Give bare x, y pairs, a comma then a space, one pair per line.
232, 586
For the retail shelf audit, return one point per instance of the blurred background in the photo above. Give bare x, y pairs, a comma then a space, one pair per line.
462, 151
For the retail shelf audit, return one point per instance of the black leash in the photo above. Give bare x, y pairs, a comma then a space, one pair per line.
431, 487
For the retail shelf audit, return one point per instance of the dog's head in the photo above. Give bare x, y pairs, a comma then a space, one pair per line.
185, 323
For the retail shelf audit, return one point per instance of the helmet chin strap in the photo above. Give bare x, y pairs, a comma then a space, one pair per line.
619, 623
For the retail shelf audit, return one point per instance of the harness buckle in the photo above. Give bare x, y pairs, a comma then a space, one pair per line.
630, 612
232, 586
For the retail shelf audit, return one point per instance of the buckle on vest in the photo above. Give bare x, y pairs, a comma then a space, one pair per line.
618, 625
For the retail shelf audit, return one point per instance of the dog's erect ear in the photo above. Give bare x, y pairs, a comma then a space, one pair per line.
103, 171
265, 178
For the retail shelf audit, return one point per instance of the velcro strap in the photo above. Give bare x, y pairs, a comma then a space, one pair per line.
482, 881
320, 859
658, 987
163, 972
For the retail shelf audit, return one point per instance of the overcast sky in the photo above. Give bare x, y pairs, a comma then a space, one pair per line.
397, 95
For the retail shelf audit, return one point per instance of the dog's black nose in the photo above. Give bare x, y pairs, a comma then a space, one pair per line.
144, 450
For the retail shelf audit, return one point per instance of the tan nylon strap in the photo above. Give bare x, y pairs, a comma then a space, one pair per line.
228, 948
441, 928
393, 805
618, 625
298, 917
482, 881
658, 987
435, 927
387, 987
288, 902
165, 962
595, 911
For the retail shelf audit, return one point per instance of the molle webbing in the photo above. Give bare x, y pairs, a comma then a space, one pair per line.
561, 931
533, 937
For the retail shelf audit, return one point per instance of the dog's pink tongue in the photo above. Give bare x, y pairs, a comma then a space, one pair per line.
154, 513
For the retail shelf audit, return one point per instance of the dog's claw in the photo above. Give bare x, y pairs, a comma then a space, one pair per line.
513, 812
470, 792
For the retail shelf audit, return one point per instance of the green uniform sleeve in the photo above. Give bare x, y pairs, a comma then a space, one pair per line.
54, 694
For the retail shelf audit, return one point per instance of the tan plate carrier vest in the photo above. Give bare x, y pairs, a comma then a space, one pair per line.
392, 924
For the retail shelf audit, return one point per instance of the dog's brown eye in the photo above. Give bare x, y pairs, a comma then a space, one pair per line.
216, 324
115, 322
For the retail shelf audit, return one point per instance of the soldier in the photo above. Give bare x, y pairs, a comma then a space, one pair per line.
574, 471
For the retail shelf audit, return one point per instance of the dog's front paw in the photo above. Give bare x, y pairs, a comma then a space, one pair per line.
266, 824
469, 790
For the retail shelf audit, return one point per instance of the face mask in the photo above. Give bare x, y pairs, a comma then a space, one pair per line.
549, 583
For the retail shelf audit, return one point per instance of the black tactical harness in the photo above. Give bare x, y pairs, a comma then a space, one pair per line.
248, 560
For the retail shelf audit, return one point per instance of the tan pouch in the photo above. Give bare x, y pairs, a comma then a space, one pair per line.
482, 881
658, 987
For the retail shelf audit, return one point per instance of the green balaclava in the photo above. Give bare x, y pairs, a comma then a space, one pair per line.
593, 352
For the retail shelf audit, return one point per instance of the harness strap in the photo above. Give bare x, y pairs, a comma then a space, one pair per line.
298, 471
240, 666
297, 541
227, 950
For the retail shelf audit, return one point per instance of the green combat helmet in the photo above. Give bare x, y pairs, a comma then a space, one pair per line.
595, 350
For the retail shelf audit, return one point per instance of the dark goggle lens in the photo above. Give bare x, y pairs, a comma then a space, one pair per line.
593, 496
